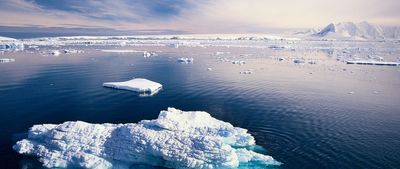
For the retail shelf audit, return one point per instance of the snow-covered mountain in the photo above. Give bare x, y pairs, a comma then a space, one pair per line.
358, 31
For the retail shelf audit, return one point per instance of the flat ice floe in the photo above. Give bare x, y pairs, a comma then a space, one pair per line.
372, 62
120, 51
176, 139
144, 86
6, 60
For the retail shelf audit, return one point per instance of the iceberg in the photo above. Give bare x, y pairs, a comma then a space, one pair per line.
143, 86
176, 139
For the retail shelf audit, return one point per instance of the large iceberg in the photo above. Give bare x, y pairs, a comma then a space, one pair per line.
176, 139
144, 86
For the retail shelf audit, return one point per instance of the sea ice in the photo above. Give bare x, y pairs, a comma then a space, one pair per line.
176, 139
373, 62
55, 52
147, 54
246, 72
144, 86
298, 61
6, 60
185, 60
70, 51
238, 62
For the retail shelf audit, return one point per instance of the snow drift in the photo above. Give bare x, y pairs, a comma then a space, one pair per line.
176, 139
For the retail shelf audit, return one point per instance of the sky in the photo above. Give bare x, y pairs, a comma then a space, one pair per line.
196, 16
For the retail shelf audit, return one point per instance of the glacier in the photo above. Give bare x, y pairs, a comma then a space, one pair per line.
176, 139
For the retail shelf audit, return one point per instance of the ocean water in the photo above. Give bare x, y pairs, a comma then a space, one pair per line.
328, 115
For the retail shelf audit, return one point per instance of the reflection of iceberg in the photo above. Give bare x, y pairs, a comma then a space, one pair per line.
176, 139
143, 86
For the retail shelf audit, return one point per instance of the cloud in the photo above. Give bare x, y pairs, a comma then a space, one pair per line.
206, 16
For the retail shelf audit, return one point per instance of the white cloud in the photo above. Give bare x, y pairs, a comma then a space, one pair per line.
216, 16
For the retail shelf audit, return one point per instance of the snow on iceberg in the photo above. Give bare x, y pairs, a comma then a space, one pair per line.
176, 139
144, 86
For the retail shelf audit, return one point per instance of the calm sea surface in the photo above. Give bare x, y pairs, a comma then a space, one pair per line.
309, 116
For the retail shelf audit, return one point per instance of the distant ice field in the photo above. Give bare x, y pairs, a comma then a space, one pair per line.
304, 105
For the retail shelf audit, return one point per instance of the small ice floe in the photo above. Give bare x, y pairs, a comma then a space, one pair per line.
312, 62
276, 47
174, 45
55, 52
143, 86
120, 51
176, 139
12, 46
6, 60
372, 62
224, 60
185, 60
247, 72
209, 69
147, 54
122, 44
299, 61
351, 92
71, 51
238, 62
219, 53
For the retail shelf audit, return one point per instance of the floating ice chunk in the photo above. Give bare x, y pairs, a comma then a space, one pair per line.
238, 62
121, 51
246, 72
299, 61
276, 47
209, 69
372, 62
122, 44
12, 46
55, 52
6, 60
219, 53
312, 62
176, 139
185, 60
144, 86
147, 54
70, 51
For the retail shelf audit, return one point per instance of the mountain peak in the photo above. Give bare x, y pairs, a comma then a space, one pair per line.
351, 30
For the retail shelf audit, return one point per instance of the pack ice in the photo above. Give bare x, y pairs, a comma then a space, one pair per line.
137, 84
176, 139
